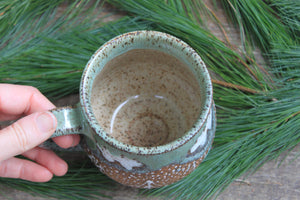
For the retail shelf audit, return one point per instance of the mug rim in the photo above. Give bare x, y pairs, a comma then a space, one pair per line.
189, 134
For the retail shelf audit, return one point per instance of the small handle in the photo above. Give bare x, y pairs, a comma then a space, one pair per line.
68, 121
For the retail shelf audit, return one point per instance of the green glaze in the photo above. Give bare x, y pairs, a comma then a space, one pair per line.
69, 120
194, 144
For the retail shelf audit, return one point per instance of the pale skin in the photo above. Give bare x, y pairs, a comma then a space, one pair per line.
35, 125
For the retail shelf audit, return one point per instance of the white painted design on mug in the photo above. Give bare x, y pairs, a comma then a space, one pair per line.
202, 138
209, 121
200, 141
125, 162
148, 184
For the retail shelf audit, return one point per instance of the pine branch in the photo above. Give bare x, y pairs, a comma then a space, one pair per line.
49, 52
53, 58
238, 87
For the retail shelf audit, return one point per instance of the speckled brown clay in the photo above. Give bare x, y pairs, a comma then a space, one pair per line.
146, 109
154, 179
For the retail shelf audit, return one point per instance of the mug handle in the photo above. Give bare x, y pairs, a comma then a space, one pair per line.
69, 121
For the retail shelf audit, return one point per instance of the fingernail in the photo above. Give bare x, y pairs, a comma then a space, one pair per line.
73, 143
45, 122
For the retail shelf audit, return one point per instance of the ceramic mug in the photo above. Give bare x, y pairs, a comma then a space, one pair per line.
146, 109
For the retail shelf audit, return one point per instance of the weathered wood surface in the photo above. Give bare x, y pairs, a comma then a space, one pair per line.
270, 182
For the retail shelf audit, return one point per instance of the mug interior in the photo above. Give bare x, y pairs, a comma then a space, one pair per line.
146, 89
146, 98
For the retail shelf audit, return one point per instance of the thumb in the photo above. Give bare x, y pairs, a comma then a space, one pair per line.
26, 133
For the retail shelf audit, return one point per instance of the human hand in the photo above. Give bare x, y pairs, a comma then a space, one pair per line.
24, 136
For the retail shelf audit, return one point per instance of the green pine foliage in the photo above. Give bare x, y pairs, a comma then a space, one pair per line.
288, 11
258, 108
50, 50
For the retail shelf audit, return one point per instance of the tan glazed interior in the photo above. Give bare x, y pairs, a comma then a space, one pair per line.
146, 98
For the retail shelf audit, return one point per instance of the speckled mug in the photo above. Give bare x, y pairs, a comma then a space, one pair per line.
161, 145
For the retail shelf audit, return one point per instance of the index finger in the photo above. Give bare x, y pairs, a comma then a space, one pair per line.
17, 100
